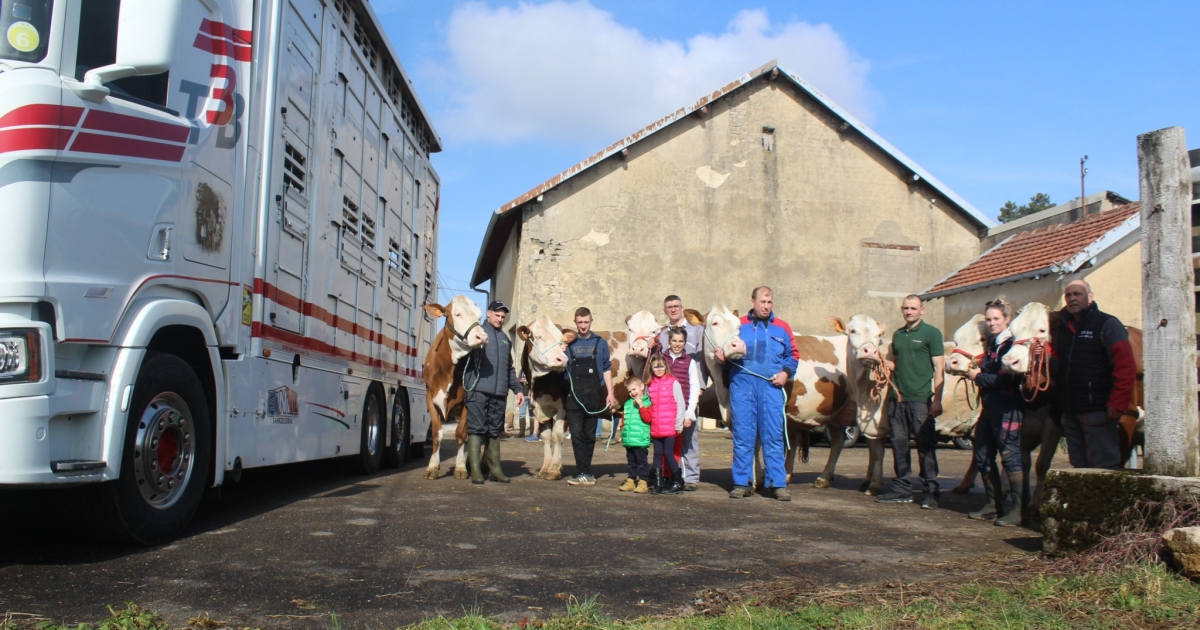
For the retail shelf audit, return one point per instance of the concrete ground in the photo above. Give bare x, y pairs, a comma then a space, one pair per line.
286, 546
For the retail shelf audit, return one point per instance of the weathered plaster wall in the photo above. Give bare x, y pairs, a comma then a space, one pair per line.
704, 210
1116, 283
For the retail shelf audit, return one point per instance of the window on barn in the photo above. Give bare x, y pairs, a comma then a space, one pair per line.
768, 138
891, 269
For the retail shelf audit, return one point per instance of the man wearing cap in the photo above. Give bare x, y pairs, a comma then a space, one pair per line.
488, 377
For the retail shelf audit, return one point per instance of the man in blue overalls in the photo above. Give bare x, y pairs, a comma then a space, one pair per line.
589, 394
756, 396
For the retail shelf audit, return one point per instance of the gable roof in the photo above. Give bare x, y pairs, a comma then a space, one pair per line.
1058, 249
505, 218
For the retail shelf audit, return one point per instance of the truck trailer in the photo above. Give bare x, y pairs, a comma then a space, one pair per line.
220, 224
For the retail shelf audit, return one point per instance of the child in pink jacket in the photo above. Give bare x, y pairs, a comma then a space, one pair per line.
666, 422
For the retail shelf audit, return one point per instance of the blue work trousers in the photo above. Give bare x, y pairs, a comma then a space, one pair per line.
757, 408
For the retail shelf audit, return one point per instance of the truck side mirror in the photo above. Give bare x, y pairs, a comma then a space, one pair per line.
146, 35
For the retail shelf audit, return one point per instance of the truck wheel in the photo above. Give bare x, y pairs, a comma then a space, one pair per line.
401, 428
372, 444
168, 445
962, 443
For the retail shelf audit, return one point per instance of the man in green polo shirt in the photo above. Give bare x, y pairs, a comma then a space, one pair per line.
916, 361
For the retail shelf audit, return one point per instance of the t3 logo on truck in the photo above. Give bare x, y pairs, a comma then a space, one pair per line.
219, 213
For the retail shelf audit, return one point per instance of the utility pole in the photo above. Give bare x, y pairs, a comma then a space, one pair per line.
1082, 196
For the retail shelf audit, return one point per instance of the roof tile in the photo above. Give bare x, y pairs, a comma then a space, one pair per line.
1036, 249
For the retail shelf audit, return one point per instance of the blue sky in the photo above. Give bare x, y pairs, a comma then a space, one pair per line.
997, 100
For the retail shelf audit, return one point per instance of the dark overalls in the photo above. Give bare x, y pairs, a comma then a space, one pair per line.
999, 427
586, 399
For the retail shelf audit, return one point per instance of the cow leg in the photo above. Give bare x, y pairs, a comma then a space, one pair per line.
460, 435
874, 467
547, 435
835, 451
556, 441
433, 470
1051, 435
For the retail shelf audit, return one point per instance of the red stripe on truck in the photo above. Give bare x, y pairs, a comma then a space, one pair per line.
128, 147
34, 139
135, 126
42, 114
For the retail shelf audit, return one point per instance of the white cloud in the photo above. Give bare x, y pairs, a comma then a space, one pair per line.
570, 72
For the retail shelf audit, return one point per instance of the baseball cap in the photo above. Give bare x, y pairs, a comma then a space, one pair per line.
497, 305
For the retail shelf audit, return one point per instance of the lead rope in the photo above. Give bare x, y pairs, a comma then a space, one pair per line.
969, 386
1037, 378
881, 381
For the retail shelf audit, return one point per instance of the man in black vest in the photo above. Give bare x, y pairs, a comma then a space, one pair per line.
1095, 373
488, 376
589, 393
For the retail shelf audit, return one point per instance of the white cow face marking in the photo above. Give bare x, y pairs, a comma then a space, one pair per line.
968, 342
642, 331
462, 317
866, 337
722, 329
1033, 322
546, 354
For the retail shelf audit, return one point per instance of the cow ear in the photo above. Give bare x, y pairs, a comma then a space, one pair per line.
838, 325
435, 310
569, 335
883, 330
693, 317
736, 313
627, 318
523, 332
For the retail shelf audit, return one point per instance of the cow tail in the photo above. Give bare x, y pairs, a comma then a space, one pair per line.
805, 440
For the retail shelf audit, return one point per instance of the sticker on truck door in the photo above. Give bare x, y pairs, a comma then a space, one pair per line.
23, 36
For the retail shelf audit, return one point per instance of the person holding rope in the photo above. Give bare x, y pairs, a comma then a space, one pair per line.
492, 365
916, 359
589, 393
1095, 372
756, 395
999, 425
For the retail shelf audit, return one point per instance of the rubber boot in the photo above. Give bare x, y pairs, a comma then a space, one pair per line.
656, 481
673, 484
495, 473
474, 465
989, 510
1015, 516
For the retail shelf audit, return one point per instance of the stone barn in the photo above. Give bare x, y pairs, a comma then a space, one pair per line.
1036, 258
764, 181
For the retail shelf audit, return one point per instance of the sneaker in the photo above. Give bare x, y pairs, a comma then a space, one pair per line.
567, 435
582, 480
782, 494
929, 502
740, 492
629, 484
534, 438
689, 487
894, 497
642, 487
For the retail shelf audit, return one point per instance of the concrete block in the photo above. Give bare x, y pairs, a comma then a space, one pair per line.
1081, 505
1183, 549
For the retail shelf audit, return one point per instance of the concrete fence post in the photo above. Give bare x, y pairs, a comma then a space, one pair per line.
1168, 306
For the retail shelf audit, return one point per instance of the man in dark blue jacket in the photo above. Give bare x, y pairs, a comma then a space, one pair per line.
488, 377
756, 395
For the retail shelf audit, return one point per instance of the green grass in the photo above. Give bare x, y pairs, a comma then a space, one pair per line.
1143, 596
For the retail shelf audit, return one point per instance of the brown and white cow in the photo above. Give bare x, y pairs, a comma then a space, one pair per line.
643, 330
542, 364
444, 393
722, 329
866, 345
960, 397
1036, 321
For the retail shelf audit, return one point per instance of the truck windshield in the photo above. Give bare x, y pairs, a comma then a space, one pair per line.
26, 28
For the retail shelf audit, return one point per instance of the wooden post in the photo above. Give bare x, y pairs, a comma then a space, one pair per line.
1168, 307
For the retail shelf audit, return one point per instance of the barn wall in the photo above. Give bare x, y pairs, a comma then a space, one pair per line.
961, 307
703, 209
1117, 285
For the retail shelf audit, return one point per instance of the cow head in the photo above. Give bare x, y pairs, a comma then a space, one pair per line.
1032, 322
643, 329
866, 337
543, 347
462, 320
969, 342
722, 330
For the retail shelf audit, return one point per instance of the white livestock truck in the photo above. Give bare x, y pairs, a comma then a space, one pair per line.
219, 224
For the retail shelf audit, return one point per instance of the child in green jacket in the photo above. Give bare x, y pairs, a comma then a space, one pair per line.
635, 436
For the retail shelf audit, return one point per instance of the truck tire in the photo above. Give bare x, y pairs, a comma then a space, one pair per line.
167, 453
849, 436
374, 436
963, 443
400, 446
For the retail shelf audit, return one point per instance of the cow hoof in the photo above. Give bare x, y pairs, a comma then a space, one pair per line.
553, 477
820, 482
540, 475
871, 491
432, 473
461, 473
865, 487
